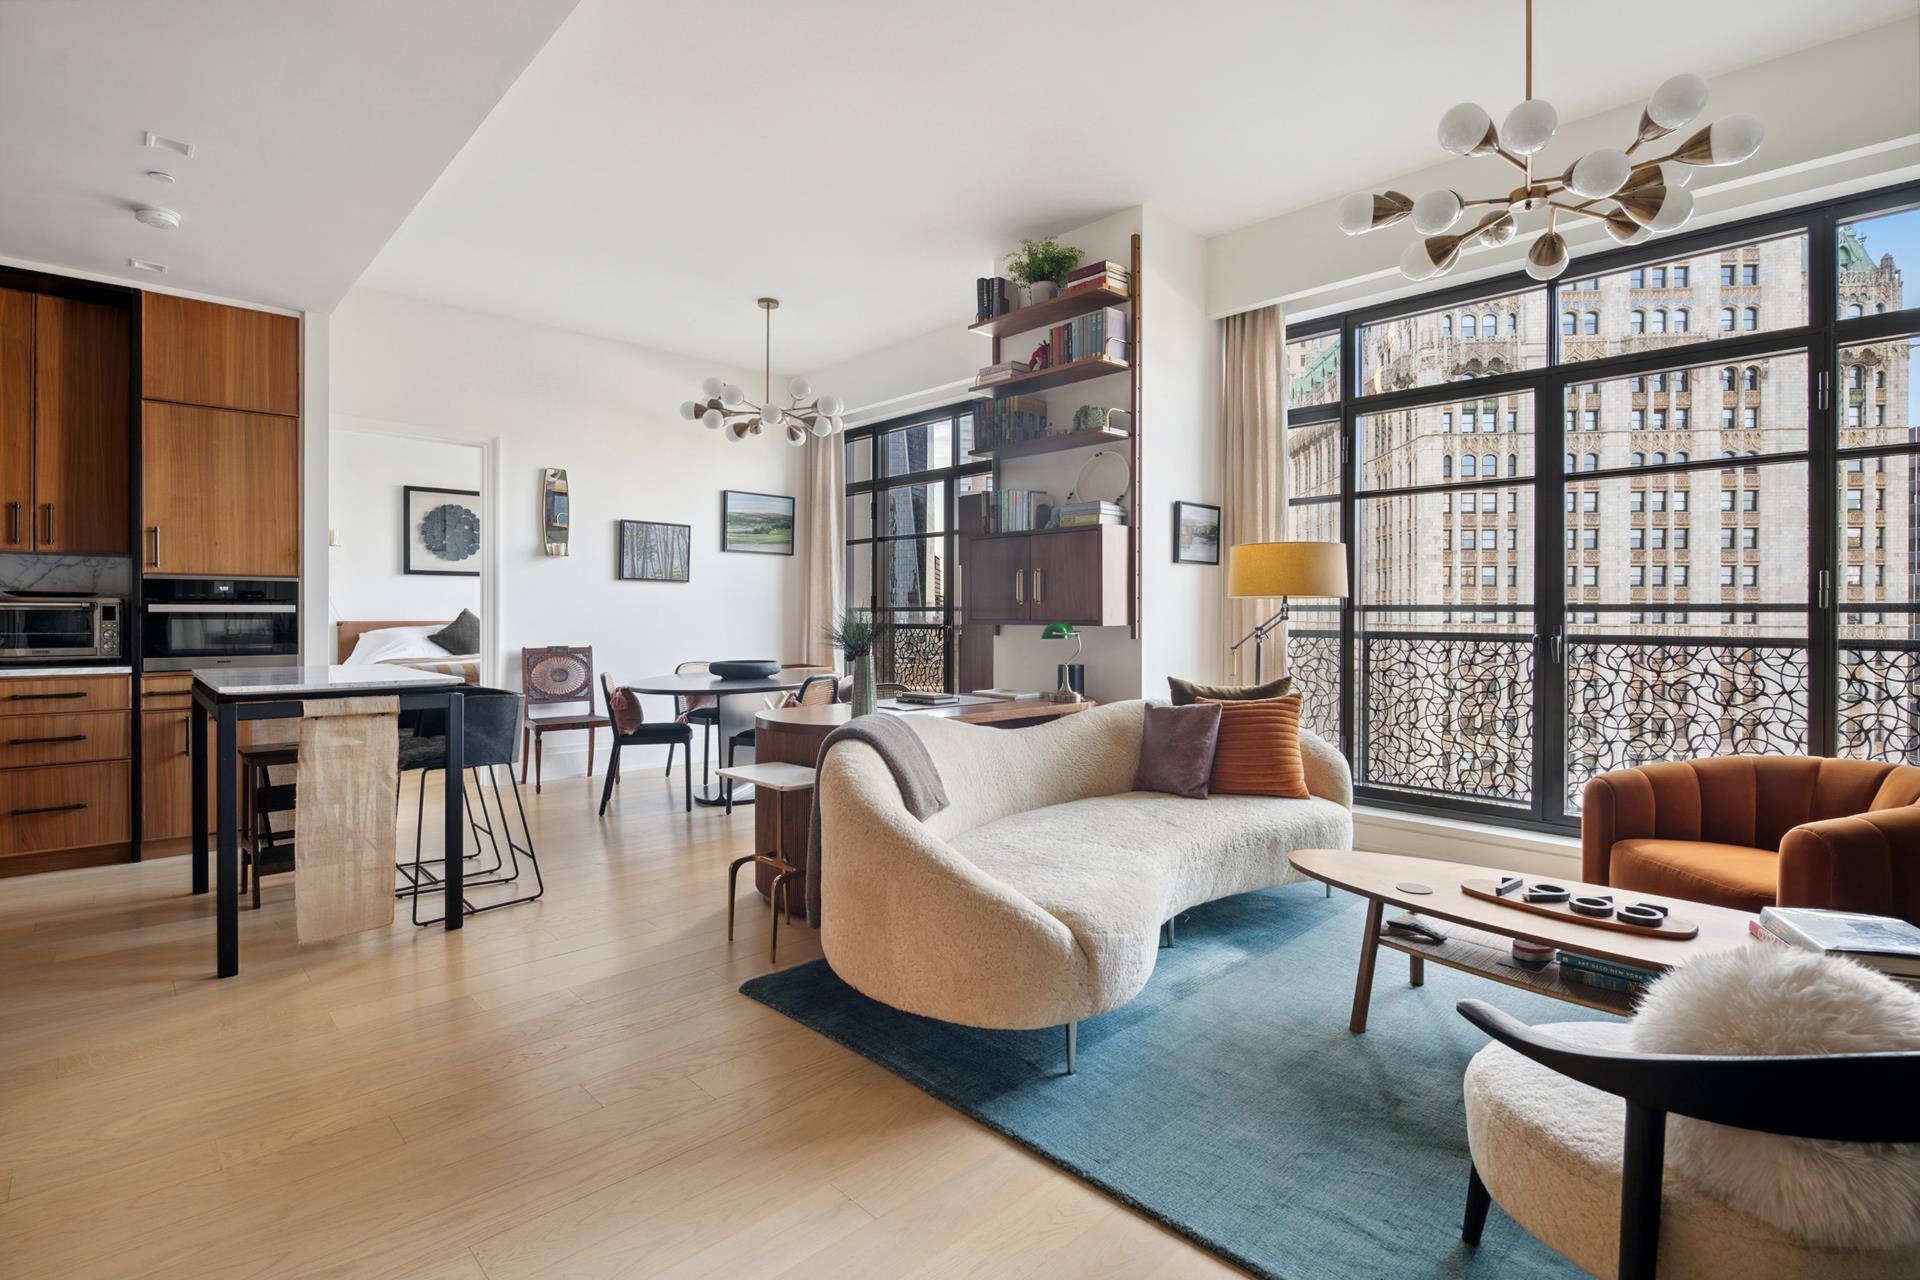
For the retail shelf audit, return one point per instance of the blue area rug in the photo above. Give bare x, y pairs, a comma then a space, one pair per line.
1228, 1101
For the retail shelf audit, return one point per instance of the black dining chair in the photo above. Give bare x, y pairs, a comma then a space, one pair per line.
1844, 1097
630, 729
702, 709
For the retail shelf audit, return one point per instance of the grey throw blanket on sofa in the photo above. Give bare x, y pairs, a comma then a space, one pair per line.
913, 772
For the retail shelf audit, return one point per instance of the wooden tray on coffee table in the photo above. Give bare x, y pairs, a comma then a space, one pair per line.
1671, 927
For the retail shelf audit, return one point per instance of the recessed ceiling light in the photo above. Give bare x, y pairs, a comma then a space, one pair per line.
153, 216
159, 175
159, 143
141, 264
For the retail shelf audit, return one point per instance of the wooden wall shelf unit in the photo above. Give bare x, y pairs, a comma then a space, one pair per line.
1088, 439
1058, 375
1044, 315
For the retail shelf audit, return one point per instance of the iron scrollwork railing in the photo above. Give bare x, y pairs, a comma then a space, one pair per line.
1879, 711
1448, 714
1637, 703
1313, 660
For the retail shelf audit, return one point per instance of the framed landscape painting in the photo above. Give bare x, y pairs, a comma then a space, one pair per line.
758, 522
441, 536
652, 552
1196, 533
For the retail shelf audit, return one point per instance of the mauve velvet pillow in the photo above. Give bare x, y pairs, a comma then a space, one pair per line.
1176, 749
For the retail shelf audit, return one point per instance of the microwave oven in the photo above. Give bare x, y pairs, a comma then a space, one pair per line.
49, 628
186, 623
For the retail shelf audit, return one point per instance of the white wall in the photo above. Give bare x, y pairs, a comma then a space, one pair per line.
1842, 116
607, 412
367, 475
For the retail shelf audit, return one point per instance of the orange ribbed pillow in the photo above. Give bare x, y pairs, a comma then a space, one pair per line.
1258, 751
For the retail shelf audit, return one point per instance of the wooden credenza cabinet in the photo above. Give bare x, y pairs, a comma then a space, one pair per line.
65, 443
65, 775
1065, 575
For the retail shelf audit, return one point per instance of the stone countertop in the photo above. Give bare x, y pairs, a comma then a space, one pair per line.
317, 681
38, 673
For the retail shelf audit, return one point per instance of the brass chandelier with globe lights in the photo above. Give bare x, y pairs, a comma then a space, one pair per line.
1635, 198
725, 407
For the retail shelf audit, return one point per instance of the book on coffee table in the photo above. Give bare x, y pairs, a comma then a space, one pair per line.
1886, 943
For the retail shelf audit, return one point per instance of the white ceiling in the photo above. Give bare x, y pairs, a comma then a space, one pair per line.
661, 165
318, 124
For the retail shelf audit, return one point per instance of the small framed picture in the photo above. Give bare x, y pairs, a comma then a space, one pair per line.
653, 552
1196, 533
758, 522
441, 533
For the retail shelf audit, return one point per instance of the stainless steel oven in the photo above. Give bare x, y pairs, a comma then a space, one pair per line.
219, 622
39, 627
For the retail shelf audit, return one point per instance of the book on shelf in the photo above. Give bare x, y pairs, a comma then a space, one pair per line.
993, 296
1087, 519
1009, 695
1000, 372
1110, 283
1605, 968
1074, 515
1008, 420
1020, 508
1102, 332
1886, 943
1601, 981
1105, 267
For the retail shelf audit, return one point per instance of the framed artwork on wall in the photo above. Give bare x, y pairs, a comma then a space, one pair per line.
1196, 533
654, 552
758, 522
440, 533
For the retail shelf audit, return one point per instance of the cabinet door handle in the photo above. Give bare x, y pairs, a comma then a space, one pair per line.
48, 508
45, 697
1039, 587
28, 742
51, 808
13, 522
1019, 586
156, 546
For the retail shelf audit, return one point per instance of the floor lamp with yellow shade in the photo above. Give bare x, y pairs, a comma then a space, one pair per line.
1264, 570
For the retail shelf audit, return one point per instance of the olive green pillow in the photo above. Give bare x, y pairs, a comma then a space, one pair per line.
1185, 692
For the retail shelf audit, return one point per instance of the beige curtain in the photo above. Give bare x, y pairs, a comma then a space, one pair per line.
822, 591
1253, 409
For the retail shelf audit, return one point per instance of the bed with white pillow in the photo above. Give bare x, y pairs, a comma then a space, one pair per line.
402, 644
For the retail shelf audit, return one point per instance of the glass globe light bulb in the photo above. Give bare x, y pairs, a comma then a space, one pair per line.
772, 415
1530, 126
1436, 212
711, 388
1673, 212
1498, 230
822, 426
839, 423
1736, 138
800, 389
737, 433
1417, 262
1677, 101
1463, 130
796, 437
829, 405
1599, 174
713, 419
1548, 256
1354, 215
689, 410
731, 395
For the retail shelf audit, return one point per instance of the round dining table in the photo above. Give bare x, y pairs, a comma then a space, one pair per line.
724, 693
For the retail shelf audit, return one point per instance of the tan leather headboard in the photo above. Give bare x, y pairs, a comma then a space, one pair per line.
347, 634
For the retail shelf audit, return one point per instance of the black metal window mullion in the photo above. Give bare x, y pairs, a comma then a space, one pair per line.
1823, 585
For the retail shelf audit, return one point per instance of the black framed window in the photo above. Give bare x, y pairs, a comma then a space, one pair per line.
904, 480
1668, 507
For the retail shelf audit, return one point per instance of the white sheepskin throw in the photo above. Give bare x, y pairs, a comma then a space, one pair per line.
1762, 999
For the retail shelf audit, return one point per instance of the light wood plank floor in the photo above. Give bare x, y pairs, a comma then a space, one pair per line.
572, 1088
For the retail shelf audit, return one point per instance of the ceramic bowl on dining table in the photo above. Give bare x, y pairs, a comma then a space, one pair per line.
744, 668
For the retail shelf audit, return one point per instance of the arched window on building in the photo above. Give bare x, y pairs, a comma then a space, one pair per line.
1567, 319
1752, 380
1572, 462
1590, 462
1659, 324
1467, 464
1659, 459
1855, 311
1856, 376
1489, 325
1446, 326
1489, 465
1636, 321
1513, 322
1513, 464
1590, 322
1680, 320
1728, 377
1637, 459
1468, 325
1446, 467
1680, 457
1726, 319
1750, 318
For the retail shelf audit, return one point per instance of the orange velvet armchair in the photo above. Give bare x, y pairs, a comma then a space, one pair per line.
1754, 831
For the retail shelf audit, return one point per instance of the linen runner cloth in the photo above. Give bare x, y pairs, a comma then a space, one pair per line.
913, 772
348, 778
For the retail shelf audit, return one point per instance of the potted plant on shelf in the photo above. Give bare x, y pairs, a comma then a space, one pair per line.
854, 635
1042, 266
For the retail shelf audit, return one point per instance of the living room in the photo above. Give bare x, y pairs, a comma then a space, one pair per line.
1313, 675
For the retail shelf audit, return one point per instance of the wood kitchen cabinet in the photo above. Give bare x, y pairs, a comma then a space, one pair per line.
220, 492
194, 352
65, 780
65, 439
1068, 575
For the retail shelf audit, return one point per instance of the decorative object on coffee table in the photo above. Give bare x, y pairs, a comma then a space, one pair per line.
652, 552
1263, 570
1196, 533
761, 523
854, 635
440, 534
555, 513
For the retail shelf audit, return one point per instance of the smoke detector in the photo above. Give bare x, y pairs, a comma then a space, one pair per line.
154, 216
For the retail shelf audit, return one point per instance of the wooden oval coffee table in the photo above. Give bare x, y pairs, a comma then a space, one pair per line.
1482, 931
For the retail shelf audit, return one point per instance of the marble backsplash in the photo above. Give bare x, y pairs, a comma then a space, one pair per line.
81, 575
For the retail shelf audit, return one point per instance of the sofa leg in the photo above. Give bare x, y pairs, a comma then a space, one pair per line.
1073, 1047
1167, 932
1478, 1202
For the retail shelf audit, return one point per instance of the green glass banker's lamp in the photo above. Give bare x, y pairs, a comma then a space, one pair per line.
1065, 631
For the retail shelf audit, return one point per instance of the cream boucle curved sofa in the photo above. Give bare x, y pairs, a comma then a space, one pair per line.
1036, 897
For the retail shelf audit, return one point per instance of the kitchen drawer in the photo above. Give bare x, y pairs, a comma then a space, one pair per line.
167, 691
27, 696
68, 806
65, 739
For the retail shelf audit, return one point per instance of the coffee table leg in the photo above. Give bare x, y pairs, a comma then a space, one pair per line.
1369, 952
1416, 971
